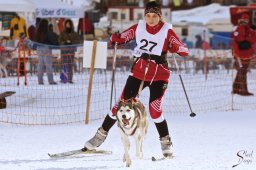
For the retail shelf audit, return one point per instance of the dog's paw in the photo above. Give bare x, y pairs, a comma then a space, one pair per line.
139, 155
128, 163
127, 160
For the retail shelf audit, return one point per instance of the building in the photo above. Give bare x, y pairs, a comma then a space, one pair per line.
174, 4
122, 17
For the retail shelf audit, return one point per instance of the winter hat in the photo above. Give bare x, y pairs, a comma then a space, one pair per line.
153, 7
245, 16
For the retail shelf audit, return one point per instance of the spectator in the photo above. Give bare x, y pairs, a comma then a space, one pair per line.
44, 39
32, 32
69, 37
55, 36
3, 63
189, 44
199, 41
85, 26
61, 24
244, 37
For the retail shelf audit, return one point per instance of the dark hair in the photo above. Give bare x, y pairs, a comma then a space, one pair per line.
70, 23
42, 31
38, 21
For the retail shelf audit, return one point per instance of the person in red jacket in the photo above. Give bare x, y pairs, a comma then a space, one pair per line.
2, 61
244, 37
154, 39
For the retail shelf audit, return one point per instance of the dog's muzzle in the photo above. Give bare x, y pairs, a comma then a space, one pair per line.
125, 121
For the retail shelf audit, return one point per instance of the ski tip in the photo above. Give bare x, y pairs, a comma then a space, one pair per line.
153, 158
51, 155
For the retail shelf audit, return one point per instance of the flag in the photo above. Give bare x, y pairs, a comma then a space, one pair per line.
64, 75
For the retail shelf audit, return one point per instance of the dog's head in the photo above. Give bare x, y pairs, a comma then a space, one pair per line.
126, 113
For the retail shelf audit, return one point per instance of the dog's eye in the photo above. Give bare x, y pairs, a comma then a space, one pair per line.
128, 110
121, 110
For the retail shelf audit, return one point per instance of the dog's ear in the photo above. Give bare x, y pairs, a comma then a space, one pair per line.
129, 102
120, 104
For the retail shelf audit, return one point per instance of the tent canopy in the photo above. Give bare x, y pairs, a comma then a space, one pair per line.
204, 14
16, 6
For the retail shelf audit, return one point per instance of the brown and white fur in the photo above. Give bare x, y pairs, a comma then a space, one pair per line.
132, 121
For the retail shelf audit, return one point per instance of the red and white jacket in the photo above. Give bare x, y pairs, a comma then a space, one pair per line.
2, 49
171, 43
243, 33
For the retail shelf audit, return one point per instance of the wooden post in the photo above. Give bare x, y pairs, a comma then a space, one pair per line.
90, 82
205, 58
18, 66
24, 61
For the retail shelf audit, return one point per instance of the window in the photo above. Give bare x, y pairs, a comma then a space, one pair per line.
114, 15
184, 31
123, 16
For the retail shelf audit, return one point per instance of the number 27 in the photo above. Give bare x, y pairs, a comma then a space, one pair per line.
146, 43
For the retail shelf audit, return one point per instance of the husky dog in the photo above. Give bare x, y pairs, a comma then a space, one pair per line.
132, 121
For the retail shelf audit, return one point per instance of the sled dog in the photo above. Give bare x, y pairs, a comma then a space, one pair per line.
132, 121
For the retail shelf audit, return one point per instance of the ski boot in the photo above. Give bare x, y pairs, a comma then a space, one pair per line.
97, 140
166, 146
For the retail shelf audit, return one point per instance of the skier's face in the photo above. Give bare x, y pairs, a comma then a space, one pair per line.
152, 19
243, 21
68, 25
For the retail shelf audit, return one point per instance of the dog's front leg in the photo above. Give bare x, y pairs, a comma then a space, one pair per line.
139, 141
126, 144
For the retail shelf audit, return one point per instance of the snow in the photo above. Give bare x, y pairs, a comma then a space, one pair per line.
207, 141
211, 140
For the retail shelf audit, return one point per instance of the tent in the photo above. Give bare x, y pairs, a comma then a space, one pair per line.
203, 14
16, 6
213, 16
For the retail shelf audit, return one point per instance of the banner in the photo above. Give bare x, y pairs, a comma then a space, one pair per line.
58, 13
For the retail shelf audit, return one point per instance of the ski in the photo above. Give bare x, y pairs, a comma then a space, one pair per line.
161, 159
78, 152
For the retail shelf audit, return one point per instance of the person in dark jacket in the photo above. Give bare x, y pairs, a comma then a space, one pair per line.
44, 40
53, 35
199, 41
69, 38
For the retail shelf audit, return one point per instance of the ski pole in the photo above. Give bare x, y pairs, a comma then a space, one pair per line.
113, 75
192, 114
